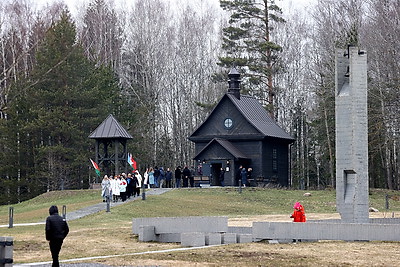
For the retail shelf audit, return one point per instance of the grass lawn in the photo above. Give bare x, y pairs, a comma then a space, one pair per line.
110, 233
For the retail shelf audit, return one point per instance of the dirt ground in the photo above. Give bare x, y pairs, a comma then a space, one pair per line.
322, 253
123, 247
247, 221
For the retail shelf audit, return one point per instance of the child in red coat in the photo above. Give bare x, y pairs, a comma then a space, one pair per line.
298, 214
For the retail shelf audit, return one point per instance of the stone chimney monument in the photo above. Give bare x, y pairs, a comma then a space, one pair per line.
351, 135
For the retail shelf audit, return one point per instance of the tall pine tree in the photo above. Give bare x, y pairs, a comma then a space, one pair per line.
249, 46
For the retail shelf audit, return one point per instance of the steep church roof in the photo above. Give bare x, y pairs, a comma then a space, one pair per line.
252, 110
259, 117
110, 128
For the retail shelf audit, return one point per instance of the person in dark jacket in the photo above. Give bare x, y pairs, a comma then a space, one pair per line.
222, 176
168, 178
156, 176
56, 230
178, 176
185, 176
244, 177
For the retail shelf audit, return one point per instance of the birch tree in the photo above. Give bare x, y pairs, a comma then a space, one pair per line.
384, 84
143, 73
195, 48
101, 34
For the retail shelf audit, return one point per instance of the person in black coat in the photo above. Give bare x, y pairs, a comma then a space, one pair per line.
178, 176
185, 176
222, 176
56, 230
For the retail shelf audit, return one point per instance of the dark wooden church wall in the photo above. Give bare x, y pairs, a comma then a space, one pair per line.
253, 150
275, 161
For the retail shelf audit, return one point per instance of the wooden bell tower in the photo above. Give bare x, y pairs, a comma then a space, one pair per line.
110, 150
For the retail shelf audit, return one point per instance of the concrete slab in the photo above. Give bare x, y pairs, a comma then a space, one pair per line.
326, 231
193, 239
167, 225
229, 238
213, 239
244, 238
147, 233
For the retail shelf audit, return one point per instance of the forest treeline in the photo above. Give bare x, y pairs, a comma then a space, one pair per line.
159, 68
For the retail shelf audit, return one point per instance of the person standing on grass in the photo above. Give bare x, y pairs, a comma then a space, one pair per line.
56, 231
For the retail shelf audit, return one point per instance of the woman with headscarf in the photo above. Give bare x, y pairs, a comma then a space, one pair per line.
105, 188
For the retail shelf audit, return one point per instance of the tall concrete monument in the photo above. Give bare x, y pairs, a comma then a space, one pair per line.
351, 135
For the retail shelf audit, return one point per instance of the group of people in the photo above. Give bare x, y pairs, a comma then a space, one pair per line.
158, 177
244, 176
124, 186
121, 186
186, 176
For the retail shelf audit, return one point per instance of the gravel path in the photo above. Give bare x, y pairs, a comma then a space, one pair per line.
77, 214
73, 215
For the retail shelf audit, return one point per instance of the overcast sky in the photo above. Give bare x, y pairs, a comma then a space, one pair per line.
75, 4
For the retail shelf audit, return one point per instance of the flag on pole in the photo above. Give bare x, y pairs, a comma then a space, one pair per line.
96, 167
131, 161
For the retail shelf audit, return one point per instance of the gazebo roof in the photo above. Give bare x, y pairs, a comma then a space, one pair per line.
110, 128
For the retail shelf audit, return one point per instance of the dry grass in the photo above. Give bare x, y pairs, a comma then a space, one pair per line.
263, 254
118, 240
111, 234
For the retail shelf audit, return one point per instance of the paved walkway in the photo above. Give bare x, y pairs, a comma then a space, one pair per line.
77, 214
63, 263
102, 206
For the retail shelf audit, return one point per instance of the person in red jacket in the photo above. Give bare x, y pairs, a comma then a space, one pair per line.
298, 214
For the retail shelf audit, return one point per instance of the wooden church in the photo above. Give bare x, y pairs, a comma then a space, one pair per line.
240, 132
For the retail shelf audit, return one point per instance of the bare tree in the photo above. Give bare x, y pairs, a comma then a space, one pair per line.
195, 55
384, 72
101, 34
295, 98
143, 70
334, 21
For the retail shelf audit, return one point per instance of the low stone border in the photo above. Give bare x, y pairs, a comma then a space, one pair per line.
203, 231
